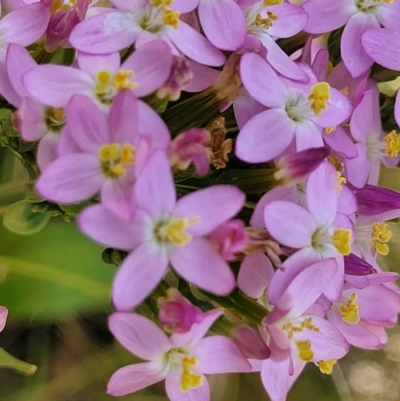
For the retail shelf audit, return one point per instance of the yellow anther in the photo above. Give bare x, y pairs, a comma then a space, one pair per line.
175, 231
350, 310
341, 240
319, 96
329, 130
326, 366
115, 158
54, 118
109, 153
273, 2
392, 141
345, 90
340, 180
189, 379
291, 329
380, 235
335, 163
104, 77
329, 67
171, 17
305, 351
121, 80
161, 3
266, 22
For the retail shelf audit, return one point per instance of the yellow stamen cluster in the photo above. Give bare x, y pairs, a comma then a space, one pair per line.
335, 163
341, 239
319, 96
106, 82
175, 231
380, 236
171, 17
188, 378
115, 158
305, 351
329, 130
392, 141
273, 2
340, 180
345, 90
161, 3
291, 329
266, 22
350, 310
58, 5
326, 366
55, 118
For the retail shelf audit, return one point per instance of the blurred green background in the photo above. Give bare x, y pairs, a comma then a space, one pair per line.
56, 288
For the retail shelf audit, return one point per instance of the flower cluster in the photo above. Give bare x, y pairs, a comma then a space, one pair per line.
269, 210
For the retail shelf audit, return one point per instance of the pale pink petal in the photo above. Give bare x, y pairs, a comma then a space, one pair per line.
245, 107
139, 335
47, 150
308, 286
289, 223
326, 17
138, 275
54, 85
281, 61
381, 45
152, 126
105, 33
7, 89
255, 274
195, 46
32, 119
223, 23
358, 169
132, 378
219, 354
362, 120
355, 334
185, 6
203, 77
123, 118
322, 194
353, 54
174, 393
334, 290
210, 207
275, 378
261, 81
388, 15
154, 189
25, 25
87, 124
117, 196
151, 64
18, 62
200, 263
341, 143
93, 63
3, 317
308, 135
70, 179
265, 136
327, 343
104, 227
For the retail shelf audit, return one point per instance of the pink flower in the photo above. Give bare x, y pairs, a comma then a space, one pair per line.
182, 360
296, 111
3, 317
100, 154
114, 30
166, 231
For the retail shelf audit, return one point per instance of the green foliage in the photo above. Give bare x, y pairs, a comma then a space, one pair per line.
53, 274
8, 361
21, 219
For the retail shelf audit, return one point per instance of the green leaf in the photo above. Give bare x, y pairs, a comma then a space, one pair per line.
8, 361
21, 219
52, 275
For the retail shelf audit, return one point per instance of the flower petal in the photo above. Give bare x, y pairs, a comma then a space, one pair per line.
139, 335
210, 207
138, 275
199, 263
132, 378
265, 136
219, 354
